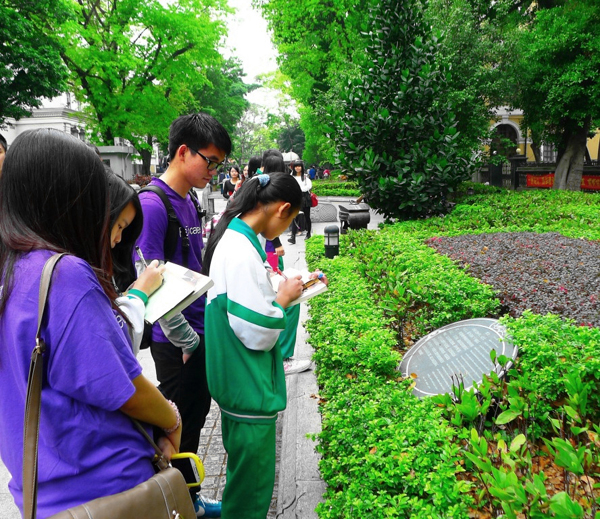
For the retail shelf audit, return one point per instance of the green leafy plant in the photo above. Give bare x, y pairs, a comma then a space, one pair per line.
384, 453
395, 136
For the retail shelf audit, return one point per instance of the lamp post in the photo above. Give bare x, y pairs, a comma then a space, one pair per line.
332, 241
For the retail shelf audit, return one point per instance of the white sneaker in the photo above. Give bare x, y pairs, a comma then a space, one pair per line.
295, 366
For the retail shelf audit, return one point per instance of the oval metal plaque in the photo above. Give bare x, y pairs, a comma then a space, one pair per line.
456, 352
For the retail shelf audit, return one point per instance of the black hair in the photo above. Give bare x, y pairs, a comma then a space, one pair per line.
281, 188
253, 164
197, 131
121, 194
3, 143
54, 196
237, 168
272, 164
270, 153
95, 148
293, 166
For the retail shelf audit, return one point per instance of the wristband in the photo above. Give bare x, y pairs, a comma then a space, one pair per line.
138, 293
178, 422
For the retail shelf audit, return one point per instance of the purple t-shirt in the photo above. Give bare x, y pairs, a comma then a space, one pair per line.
152, 241
87, 447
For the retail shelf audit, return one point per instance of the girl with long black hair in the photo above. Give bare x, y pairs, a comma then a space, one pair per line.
54, 199
126, 221
244, 318
305, 185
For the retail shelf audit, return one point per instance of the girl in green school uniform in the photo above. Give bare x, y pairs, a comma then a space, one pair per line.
244, 317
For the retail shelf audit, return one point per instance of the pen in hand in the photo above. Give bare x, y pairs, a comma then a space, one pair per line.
141, 256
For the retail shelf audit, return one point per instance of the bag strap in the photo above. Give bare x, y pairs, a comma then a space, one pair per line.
34, 404
196, 201
159, 459
34, 400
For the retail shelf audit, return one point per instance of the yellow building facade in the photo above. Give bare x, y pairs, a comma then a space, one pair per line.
508, 125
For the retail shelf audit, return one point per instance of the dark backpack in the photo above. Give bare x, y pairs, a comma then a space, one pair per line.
174, 230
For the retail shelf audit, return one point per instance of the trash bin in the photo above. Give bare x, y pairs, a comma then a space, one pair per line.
354, 216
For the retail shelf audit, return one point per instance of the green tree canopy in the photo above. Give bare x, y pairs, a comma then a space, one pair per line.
316, 42
224, 95
477, 49
137, 64
30, 63
560, 80
252, 135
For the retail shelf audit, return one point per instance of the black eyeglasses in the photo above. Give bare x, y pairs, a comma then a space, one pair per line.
210, 164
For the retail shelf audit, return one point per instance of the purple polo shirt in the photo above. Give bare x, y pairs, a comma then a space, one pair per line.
87, 447
152, 241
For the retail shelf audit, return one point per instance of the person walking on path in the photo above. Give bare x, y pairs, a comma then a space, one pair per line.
305, 185
273, 162
244, 318
198, 144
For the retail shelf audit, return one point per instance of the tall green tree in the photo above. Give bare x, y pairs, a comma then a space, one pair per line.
282, 119
137, 64
291, 138
477, 48
30, 63
394, 136
252, 135
224, 96
316, 42
560, 80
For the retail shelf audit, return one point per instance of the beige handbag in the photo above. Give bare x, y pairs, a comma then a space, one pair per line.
163, 496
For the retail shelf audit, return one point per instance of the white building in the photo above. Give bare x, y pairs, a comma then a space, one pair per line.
64, 113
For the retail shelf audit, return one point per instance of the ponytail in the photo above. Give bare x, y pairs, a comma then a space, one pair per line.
259, 190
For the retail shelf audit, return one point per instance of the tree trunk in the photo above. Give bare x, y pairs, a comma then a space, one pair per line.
569, 168
535, 146
536, 152
146, 156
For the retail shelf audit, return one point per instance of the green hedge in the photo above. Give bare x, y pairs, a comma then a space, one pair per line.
416, 285
335, 188
387, 454
572, 214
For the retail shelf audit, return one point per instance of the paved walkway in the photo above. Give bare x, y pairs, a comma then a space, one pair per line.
298, 484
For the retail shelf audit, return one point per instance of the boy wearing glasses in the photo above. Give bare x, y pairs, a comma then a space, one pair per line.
198, 144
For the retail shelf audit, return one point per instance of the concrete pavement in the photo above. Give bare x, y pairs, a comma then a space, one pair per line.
298, 487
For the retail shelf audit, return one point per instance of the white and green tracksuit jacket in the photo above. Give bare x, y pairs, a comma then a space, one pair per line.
242, 326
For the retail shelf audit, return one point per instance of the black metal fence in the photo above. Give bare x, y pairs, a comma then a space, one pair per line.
514, 173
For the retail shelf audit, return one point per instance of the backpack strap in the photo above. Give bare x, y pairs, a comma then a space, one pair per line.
194, 197
174, 227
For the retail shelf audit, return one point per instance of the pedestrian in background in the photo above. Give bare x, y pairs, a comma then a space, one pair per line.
305, 185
